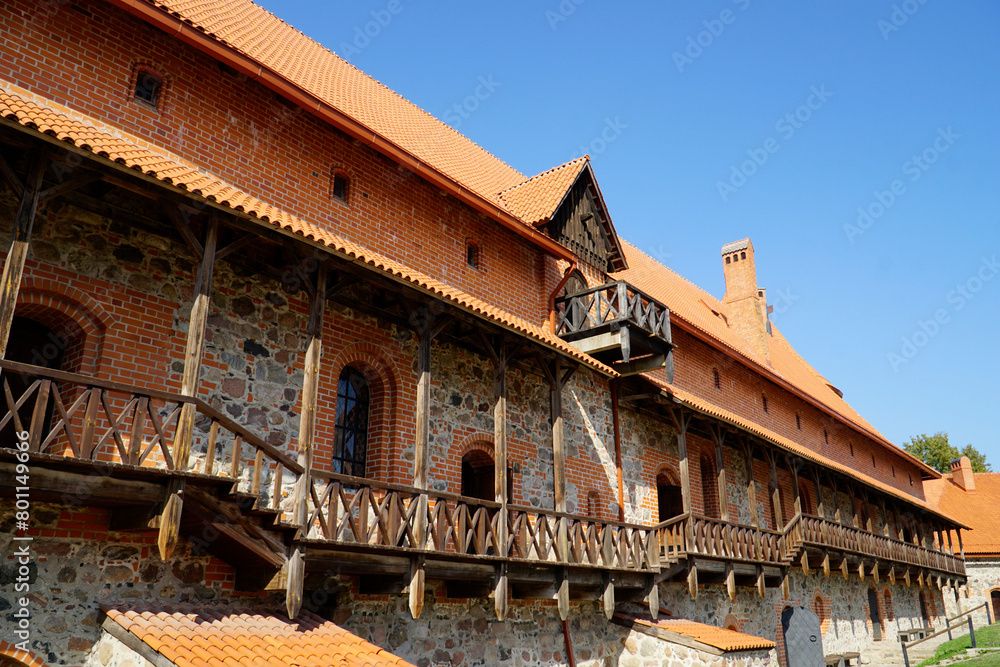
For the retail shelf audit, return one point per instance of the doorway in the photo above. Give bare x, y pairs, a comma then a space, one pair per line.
874, 615
995, 601
669, 498
32, 343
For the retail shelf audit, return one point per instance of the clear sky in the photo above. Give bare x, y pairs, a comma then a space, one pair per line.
708, 122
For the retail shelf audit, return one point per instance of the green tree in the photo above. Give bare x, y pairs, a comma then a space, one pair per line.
938, 453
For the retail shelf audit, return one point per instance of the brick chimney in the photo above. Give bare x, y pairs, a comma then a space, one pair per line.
747, 302
961, 474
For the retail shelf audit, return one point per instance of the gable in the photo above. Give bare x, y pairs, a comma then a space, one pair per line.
582, 225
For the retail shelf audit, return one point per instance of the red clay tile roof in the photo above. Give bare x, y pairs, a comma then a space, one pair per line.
25, 109
536, 200
977, 509
708, 408
266, 39
197, 636
720, 638
698, 308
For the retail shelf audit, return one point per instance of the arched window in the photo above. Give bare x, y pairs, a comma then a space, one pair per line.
350, 443
576, 284
805, 500
709, 492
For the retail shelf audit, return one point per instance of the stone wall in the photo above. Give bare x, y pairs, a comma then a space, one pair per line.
983, 577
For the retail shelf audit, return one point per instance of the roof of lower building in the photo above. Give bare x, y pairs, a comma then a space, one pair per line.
199, 636
977, 509
708, 635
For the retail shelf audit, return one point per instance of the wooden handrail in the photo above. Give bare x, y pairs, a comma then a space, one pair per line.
966, 613
948, 627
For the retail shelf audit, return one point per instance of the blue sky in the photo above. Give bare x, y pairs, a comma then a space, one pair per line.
709, 122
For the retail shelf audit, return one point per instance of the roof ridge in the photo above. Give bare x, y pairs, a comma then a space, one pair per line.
230, 43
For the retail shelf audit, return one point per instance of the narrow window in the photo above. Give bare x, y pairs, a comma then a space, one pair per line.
728, 260
893, 469
716, 380
763, 401
350, 440
798, 422
472, 254
826, 437
873, 460
148, 86
851, 445
911, 478
743, 255
339, 187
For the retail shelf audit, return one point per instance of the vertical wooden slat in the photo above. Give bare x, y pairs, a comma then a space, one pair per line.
38, 414
213, 439
501, 360
234, 465
90, 421
719, 436
258, 464
421, 463
138, 430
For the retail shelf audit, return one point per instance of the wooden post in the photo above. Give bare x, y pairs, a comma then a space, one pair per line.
13, 267
500, 353
793, 468
681, 422
820, 503
961, 547
719, 436
170, 522
557, 381
307, 437
614, 386
426, 332
779, 521
751, 488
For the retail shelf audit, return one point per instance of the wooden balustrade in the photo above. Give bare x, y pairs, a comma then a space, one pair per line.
723, 540
379, 515
107, 422
613, 303
812, 531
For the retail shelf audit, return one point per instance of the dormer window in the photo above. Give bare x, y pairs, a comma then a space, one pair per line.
148, 87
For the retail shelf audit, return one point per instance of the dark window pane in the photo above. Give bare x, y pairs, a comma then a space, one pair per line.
350, 441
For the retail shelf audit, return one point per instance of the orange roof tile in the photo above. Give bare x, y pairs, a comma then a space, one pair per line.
204, 635
699, 309
709, 408
24, 108
977, 509
720, 638
536, 200
266, 39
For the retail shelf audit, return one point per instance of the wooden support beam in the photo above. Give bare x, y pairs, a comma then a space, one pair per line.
501, 355
861, 570
24, 221
608, 596
652, 596
760, 582
785, 587
805, 562
843, 567
779, 521
730, 581
826, 564
751, 486
500, 591
906, 577
12, 179
170, 524
416, 587
692, 580
562, 594
307, 437
719, 436
681, 421
67, 186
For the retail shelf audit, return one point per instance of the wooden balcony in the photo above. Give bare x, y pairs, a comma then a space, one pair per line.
112, 445
618, 324
817, 542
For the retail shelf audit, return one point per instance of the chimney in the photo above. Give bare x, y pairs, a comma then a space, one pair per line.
747, 302
961, 474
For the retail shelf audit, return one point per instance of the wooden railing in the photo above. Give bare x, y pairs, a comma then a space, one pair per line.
805, 530
371, 514
693, 535
613, 303
106, 422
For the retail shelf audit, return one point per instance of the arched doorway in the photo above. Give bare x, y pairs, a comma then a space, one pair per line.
669, 498
31, 343
874, 615
995, 601
923, 610
478, 475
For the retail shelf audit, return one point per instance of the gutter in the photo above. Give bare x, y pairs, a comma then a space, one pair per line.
231, 57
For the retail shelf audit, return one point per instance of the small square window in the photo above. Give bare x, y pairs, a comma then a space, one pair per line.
148, 86
339, 188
